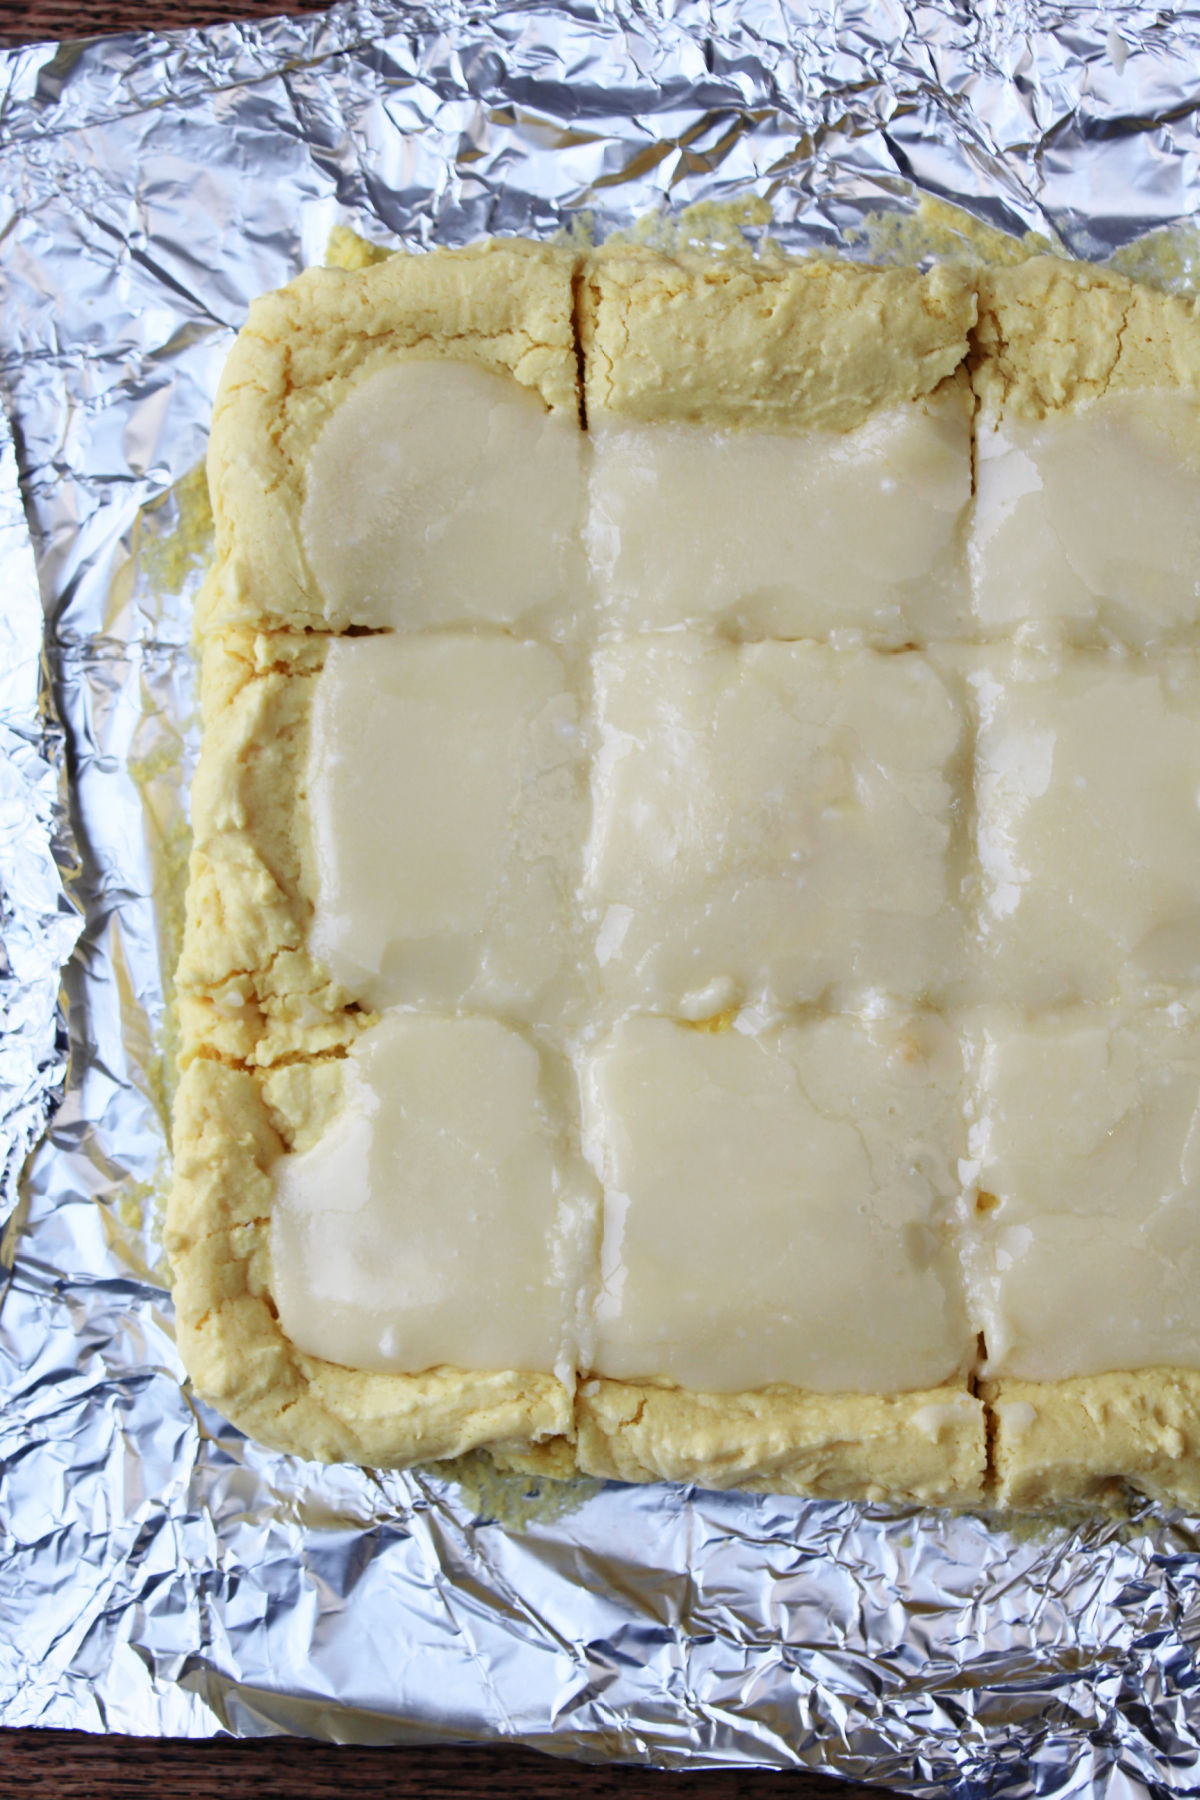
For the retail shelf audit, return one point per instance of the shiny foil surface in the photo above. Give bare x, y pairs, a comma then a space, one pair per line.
158, 1573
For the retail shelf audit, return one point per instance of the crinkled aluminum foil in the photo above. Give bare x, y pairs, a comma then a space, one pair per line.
160, 1574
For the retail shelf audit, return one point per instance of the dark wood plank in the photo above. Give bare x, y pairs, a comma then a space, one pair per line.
42, 20
66, 1765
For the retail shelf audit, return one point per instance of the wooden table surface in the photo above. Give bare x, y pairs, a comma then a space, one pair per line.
62, 1765
42, 20
69, 1765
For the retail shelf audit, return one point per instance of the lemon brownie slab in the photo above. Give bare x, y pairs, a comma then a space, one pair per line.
580, 773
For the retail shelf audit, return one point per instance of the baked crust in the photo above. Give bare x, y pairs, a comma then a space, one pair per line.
247, 988
783, 346
1089, 1441
927, 1447
1054, 334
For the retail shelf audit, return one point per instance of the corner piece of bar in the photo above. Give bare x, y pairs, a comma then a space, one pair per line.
231, 1129
498, 317
1093, 1439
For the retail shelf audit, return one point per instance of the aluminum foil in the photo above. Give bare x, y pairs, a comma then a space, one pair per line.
160, 1574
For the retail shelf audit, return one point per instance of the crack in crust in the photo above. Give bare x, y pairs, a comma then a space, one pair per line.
1053, 334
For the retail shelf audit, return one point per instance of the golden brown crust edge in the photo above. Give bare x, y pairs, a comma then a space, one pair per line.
247, 988
1055, 334
779, 346
1091, 1440
927, 1447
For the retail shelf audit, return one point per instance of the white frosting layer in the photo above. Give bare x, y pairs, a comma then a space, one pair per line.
447, 804
770, 820
776, 1207
440, 494
435, 1222
785, 536
1084, 1253
1087, 791
773, 824
1088, 522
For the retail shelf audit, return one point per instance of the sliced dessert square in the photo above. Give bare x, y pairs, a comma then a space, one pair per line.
780, 1214
1087, 771
380, 820
286, 1189
780, 449
772, 822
